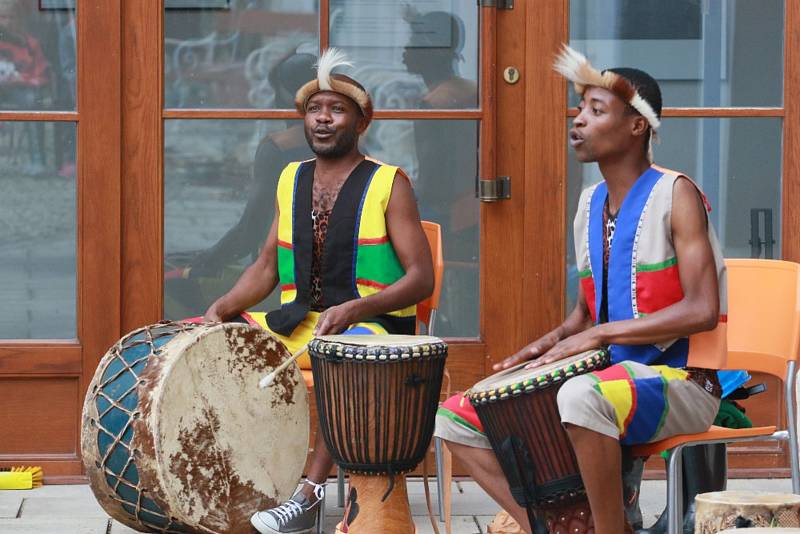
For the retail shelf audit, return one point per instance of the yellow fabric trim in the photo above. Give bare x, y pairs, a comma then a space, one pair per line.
373, 215
288, 296
305, 333
285, 197
671, 373
619, 395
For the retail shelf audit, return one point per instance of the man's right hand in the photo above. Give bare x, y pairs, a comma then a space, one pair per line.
213, 314
530, 351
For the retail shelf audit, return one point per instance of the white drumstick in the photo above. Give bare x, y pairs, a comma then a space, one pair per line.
268, 380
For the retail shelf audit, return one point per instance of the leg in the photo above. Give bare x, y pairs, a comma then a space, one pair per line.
321, 465
600, 460
485, 470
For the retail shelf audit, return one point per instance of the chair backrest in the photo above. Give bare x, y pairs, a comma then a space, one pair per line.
427, 308
763, 315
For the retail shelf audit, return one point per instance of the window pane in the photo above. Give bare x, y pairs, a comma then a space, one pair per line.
37, 55
418, 54
219, 189
220, 179
717, 53
441, 158
243, 54
37, 231
737, 163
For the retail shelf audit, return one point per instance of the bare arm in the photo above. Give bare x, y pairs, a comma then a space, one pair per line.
255, 284
697, 311
411, 246
577, 321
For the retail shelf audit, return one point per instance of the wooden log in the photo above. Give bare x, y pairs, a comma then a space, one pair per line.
720, 510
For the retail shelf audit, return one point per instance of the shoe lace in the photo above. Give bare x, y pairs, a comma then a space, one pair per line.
288, 511
292, 509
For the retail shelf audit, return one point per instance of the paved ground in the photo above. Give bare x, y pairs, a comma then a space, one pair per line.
73, 509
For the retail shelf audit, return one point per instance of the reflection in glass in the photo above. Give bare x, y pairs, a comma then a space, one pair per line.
220, 180
37, 56
219, 194
710, 54
420, 54
37, 233
440, 157
229, 58
737, 163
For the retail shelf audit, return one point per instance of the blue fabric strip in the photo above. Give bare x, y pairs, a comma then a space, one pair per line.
596, 243
650, 406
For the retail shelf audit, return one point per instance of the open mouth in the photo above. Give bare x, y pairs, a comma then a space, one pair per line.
575, 138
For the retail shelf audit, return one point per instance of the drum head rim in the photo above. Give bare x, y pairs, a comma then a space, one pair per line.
592, 361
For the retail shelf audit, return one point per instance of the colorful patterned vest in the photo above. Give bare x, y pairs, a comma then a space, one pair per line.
642, 264
358, 257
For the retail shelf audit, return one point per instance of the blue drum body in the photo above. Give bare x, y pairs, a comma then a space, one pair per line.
161, 437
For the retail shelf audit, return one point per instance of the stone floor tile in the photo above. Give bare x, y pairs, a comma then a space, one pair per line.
463, 524
55, 525
9, 505
119, 528
73, 507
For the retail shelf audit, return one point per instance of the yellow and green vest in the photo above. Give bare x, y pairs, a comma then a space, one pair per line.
358, 257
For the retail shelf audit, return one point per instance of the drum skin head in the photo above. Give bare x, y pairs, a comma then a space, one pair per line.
212, 448
518, 373
393, 340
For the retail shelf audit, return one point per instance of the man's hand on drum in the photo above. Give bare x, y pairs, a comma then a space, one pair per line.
336, 319
575, 344
530, 351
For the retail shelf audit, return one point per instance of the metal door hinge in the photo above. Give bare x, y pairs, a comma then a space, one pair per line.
494, 190
499, 4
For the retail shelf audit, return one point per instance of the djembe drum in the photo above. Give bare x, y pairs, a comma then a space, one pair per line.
376, 398
721, 510
177, 436
518, 410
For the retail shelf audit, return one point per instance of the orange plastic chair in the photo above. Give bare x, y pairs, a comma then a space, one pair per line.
762, 336
426, 314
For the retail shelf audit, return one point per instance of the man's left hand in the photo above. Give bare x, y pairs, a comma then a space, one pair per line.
587, 340
336, 319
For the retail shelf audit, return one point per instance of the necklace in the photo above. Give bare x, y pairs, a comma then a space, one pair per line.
611, 224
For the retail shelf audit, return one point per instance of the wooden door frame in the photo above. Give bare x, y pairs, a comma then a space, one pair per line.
98, 31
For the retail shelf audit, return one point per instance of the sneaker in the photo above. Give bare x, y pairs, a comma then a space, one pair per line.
296, 516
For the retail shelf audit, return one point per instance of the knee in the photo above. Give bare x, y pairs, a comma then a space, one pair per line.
577, 391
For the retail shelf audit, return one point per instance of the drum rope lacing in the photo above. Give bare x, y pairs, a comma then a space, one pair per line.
162, 329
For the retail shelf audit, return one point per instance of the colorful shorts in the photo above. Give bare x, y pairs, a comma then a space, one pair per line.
629, 401
304, 332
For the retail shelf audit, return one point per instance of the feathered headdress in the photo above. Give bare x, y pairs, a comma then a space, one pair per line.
339, 83
622, 82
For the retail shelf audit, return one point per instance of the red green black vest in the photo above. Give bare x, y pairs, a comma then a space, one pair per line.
358, 258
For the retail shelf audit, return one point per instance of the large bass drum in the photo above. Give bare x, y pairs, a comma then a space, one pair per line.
177, 436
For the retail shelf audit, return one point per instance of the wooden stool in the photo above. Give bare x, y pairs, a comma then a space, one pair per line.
720, 510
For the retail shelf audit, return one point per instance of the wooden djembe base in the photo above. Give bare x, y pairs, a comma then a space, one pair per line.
720, 510
366, 513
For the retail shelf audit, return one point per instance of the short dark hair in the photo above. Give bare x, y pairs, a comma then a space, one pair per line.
645, 85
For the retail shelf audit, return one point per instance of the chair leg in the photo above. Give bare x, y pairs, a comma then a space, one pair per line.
320, 516
437, 449
340, 486
675, 491
447, 483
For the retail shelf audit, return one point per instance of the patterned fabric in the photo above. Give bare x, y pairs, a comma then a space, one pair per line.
305, 332
320, 219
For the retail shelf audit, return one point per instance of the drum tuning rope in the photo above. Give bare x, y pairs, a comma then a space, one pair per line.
269, 379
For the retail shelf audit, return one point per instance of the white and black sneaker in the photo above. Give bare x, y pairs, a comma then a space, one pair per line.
298, 515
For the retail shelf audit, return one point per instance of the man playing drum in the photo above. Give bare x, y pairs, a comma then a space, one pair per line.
346, 246
662, 280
